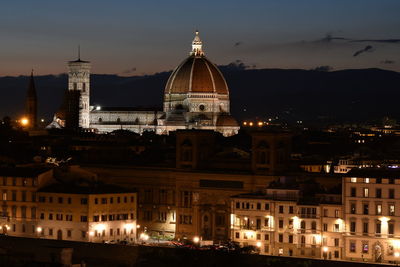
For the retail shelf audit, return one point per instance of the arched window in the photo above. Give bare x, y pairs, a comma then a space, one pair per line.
100, 119
313, 225
118, 120
303, 225
84, 87
303, 239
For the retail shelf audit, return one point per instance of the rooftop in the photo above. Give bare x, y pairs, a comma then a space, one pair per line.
22, 171
374, 173
85, 189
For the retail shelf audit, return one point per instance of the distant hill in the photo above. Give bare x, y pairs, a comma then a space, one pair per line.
346, 95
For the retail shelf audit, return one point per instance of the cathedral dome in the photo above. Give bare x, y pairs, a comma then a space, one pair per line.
196, 74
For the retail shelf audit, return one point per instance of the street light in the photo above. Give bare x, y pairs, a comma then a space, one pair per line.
325, 252
396, 255
24, 121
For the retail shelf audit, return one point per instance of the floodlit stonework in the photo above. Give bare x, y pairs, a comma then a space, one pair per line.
196, 96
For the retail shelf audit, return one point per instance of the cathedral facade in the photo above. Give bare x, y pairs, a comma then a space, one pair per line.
196, 96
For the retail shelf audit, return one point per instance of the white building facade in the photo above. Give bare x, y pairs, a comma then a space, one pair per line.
196, 97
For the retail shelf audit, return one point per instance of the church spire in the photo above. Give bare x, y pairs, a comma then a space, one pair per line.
31, 87
197, 46
31, 103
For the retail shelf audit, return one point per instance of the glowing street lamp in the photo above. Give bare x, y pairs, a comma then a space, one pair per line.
39, 229
144, 236
258, 244
325, 250
196, 239
24, 122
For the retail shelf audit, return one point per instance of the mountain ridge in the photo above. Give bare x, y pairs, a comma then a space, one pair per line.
344, 95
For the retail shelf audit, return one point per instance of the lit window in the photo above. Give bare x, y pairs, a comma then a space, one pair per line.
366, 180
378, 209
391, 209
365, 248
366, 192
353, 180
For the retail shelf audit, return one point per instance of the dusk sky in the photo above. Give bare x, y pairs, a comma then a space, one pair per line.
143, 37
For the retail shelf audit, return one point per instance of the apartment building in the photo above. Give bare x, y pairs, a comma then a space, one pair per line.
87, 212
371, 205
282, 221
18, 187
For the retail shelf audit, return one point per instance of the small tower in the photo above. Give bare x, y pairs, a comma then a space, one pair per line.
31, 104
79, 79
197, 46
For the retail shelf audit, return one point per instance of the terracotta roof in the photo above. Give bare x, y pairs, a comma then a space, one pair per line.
198, 75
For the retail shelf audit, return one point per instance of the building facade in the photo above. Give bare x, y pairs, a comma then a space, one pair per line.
103, 213
19, 210
371, 205
280, 221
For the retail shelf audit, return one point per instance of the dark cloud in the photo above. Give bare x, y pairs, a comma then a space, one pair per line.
323, 68
131, 70
329, 38
387, 61
368, 48
237, 44
390, 41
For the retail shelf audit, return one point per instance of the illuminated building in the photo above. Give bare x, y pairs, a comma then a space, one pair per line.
372, 214
196, 96
281, 221
94, 213
19, 210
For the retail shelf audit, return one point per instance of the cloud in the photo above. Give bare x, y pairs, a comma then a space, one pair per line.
323, 68
368, 48
237, 44
329, 38
131, 70
389, 41
387, 61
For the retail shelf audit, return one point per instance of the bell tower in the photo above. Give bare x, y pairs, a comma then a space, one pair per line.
79, 80
31, 104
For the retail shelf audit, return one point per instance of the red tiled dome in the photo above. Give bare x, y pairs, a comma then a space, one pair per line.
198, 75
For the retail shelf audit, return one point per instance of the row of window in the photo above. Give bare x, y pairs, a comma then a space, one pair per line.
14, 181
113, 217
24, 196
378, 192
23, 214
303, 225
366, 227
84, 201
368, 180
365, 248
112, 232
289, 238
391, 209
